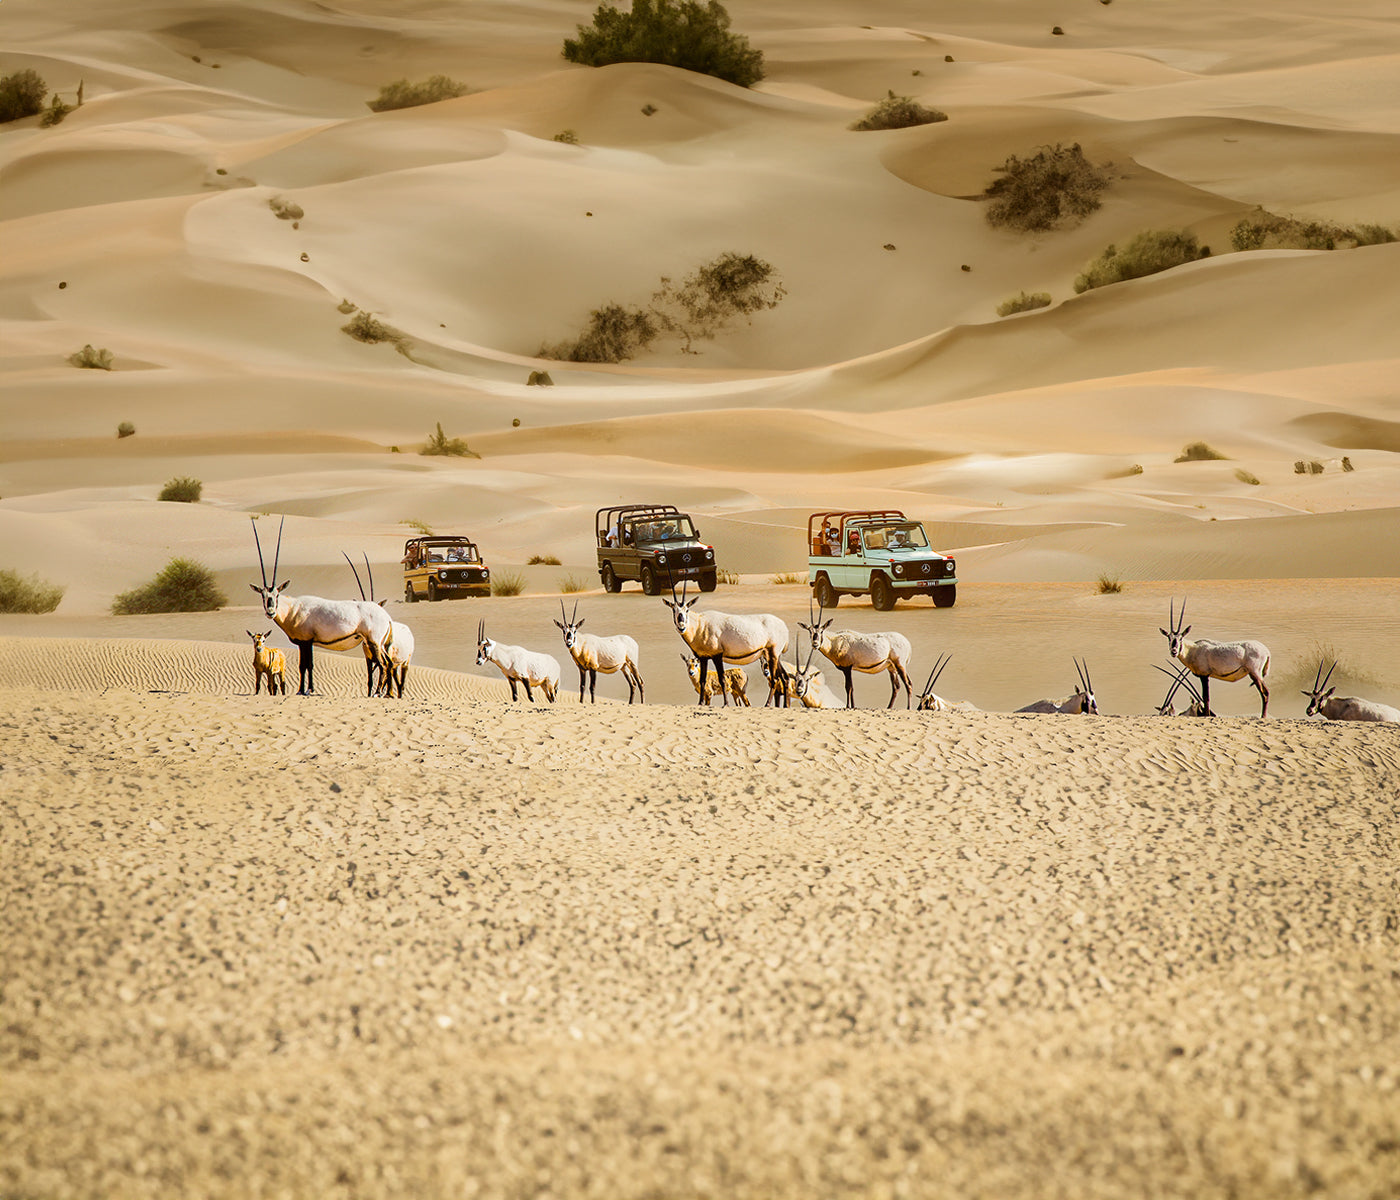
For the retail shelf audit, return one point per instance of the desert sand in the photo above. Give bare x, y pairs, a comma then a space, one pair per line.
450, 946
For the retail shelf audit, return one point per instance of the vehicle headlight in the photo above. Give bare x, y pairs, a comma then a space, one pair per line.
661, 558
898, 568
709, 554
442, 574
948, 566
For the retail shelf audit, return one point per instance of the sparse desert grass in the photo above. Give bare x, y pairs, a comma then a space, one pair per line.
786, 577
678, 33
567, 136
54, 114
1109, 585
511, 583
1025, 302
542, 560
126, 429
285, 210
1247, 477
1347, 463
183, 490
439, 443
421, 527
1269, 231
1300, 669
1199, 452
364, 327
19, 594
402, 94
535, 379
21, 95
572, 583
182, 586
614, 333
1054, 188
725, 575
1148, 253
899, 112
91, 359
346, 308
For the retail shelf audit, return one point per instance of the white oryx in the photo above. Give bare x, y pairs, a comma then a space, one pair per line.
809, 686
1325, 700
716, 637
314, 621
518, 665
736, 682
869, 653
1208, 660
1181, 678
592, 654
268, 661
1082, 701
929, 701
399, 650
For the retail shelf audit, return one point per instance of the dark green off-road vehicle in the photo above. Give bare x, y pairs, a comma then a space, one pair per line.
655, 544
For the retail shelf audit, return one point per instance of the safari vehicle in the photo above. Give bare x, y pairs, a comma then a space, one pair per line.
879, 552
443, 567
655, 544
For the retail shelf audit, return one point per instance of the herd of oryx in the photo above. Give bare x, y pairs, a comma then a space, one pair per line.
727, 642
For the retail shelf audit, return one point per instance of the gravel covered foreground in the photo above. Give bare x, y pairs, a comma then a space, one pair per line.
344, 949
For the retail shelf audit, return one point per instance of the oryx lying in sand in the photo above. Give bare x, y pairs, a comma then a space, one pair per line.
314, 621
929, 701
1208, 660
869, 653
1325, 700
1082, 701
716, 637
1181, 678
592, 654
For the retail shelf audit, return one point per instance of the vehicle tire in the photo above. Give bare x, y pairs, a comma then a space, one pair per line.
432, 589
945, 597
881, 593
611, 583
826, 595
409, 596
649, 585
709, 581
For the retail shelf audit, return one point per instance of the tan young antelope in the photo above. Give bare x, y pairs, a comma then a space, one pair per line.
268, 661
735, 682
1228, 661
1324, 700
399, 651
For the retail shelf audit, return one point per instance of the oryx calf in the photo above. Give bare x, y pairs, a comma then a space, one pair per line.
810, 688
869, 653
1325, 700
1082, 701
716, 637
734, 681
1209, 660
607, 654
519, 665
268, 661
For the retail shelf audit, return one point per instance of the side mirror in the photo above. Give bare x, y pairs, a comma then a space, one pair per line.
697, 535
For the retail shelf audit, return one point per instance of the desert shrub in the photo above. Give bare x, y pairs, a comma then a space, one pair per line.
1269, 231
899, 112
364, 327
31, 595
677, 33
422, 527
1314, 467
542, 560
402, 94
1247, 477
1300, 468
439, 443
512, 583
1149, 252
572, 583
649, 110
725, 575
21, 95
125, 429
614, 334
55, 112
286, 210
183, 586
1056, 187
93, 360
785, 577
1025, 302
1198, 452
536, 379
182, 490
1347, 464
345, 308
1109, 585
567, 136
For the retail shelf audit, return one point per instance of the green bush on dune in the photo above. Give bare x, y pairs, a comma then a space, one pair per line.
183, 586
31, 595
439, 444
21, 95
899, 112
182, 490
1055, 188
402, 94
1269, 231
1149, 252
676, 33
1025, 302
91, 359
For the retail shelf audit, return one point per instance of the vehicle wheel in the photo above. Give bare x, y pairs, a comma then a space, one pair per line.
709, 581
432, 589
881, 593
649, 581
827, 596
945, 597
611, 583
409, 597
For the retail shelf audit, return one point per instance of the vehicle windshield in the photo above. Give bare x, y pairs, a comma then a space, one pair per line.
904, 535
456, 552
663, 529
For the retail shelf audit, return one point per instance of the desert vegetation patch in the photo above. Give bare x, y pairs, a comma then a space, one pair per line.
403, 94
676, 33
1054, 188
899, 112
1148, 253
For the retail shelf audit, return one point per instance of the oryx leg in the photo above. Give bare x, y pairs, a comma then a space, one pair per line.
780, 678
850, 687
369, 672
719, 676
1205, 694
514, 695
701, 698
582, 682
1263, 692
592, 687
529, 695
306, 677
908, 688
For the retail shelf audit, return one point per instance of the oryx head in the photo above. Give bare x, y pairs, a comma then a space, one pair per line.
570, 625
1176, 636
815, 626
270, 595
1320, 693
1087, 703
692, 665
680, 608
485, 647
258, 638
927, 699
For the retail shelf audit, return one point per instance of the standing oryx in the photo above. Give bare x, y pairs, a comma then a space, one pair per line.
1082, 702
592, 654
518, 665
1208, 660
869, 653
313, 621
399, 649
716, 637
1324, 700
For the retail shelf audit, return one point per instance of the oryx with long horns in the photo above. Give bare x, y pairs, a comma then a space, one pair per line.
314, 621
716, 638
592, 654
399, 648
1208, 660
1325, 701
